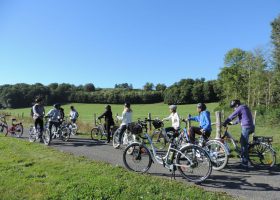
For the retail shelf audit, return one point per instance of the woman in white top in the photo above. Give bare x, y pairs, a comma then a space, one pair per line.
126, 119
175, 119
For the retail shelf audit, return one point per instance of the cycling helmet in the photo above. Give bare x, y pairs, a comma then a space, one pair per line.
202, 106
126, 104
173, 107
234, 103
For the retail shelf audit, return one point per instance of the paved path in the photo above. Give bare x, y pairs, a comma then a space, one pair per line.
253, 184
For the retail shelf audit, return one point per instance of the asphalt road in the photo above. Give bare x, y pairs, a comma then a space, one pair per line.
251, 184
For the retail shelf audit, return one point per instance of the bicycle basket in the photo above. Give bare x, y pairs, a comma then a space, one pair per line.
135, 128
157, 124
263, 139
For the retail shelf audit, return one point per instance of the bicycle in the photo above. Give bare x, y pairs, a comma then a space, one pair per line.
35, 134
192, 161
261, 153
73, 127
215, 148
16, 129
159, 136
62, 132
130, 135
99, 132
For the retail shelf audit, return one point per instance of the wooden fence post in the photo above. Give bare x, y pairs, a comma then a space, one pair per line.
188, 122
218, 124
255, 116
150, 123
94, 119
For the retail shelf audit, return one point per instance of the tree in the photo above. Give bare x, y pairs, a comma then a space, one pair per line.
148, 86
89, 87
160, 87
275, 36
124, 86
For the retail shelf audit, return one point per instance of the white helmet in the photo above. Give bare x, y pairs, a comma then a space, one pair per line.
173, 107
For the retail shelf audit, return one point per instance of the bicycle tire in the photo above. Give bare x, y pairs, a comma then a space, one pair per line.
200, 168
140, 154
116, 143
4, 128
158, 140
261, 155
95, 133
32, 134
19, 130
46, 136
65, 134
74, 129
218, 154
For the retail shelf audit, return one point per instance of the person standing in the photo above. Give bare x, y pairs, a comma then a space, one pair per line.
126, 119
73, 114
109, 121
38, 112
245, 118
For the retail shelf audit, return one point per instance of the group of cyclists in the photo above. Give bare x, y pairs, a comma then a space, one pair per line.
241, 112
55, 116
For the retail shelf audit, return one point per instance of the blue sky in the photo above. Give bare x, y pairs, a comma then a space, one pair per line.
106, 42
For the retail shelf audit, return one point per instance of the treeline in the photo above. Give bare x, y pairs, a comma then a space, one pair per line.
23, 95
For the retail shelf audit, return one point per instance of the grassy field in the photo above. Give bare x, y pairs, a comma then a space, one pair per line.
34, 171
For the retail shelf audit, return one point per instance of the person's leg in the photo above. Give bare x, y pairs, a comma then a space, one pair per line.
107, 126
121, 131
192, 131
244, 141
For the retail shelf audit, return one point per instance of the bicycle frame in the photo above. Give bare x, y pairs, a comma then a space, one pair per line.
161, 160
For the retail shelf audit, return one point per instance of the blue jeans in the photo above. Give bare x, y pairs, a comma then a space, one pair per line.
244, 141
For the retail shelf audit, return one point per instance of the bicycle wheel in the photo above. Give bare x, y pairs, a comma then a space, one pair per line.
4, 128
32, 134
261, 155
46, 136
194, 163
139, 159
19, 130
218, 154
158, 140
74, 129
65, 134
95, 133
116, 143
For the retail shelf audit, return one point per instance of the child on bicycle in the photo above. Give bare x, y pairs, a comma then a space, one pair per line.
126, 120
109, 121
204, 120
245, 118
175, 119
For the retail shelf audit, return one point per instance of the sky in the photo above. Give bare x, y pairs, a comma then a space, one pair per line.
108, 42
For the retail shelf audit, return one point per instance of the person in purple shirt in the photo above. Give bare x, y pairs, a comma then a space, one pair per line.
247, 127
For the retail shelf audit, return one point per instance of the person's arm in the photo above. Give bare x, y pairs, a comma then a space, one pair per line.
102, 115
167, 118
232, 116
121, 117
195, 118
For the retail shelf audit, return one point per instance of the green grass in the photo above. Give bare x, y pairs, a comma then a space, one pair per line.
33, 171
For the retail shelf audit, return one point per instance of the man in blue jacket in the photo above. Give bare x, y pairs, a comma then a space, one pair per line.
247, 127
204, 120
